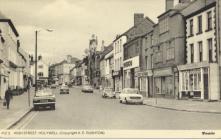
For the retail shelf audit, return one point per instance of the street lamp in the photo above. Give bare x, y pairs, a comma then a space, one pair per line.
36, 54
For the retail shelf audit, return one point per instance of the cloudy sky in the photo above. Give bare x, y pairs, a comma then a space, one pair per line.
73, 22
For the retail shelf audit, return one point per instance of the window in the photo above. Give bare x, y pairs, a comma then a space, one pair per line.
164, 26
151, 38
191, 27
200, 51
210, 46
40, 74
192, 53
209, 21
199, 24
146, 62
159, 56
151, 60
170, 53
137, 48
40, 66
115, 48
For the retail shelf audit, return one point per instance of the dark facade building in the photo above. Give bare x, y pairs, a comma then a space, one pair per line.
133, 50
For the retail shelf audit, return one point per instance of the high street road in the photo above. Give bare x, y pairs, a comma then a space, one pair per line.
90, 111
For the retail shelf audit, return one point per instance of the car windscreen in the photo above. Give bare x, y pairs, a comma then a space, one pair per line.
108, 90
131, 91
42, 93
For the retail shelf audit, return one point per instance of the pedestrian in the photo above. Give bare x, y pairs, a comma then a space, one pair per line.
8, 97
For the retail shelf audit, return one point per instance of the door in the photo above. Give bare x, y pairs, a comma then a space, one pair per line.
205, 84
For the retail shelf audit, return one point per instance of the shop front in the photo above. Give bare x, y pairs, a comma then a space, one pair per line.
145, 83
163, 81
117, 80
3, 81
199, 81
131, 68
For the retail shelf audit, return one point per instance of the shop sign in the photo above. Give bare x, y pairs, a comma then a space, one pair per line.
115, 73
145, 73
131, 63
163, 72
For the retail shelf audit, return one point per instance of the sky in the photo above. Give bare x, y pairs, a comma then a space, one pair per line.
73, 22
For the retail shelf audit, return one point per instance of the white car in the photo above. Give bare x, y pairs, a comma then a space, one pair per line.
44, 98
131, 95
87, 88
108, 93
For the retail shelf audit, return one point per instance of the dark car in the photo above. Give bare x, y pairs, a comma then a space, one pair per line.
64, 89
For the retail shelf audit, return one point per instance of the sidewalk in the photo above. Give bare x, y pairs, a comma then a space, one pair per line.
19, 107
185, 105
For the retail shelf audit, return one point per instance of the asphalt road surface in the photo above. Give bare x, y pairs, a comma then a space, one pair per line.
89, 111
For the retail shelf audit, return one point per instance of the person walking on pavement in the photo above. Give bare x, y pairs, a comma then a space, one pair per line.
8, 96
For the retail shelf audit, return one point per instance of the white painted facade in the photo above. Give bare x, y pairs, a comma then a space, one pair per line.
108, 69
201, 37
118, 62
199, 78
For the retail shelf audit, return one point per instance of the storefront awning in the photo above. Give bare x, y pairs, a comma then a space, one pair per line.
193, 66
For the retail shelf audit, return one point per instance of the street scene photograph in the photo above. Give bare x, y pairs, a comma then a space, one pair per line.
110, 65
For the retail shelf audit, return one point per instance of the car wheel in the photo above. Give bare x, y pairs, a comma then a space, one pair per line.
120, 101
141, 103
53, 107
125, 101
36, 108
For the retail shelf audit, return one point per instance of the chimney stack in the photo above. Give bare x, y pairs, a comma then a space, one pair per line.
102, 45
138, 17
169, 4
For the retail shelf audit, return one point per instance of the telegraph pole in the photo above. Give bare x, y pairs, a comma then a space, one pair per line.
36, 59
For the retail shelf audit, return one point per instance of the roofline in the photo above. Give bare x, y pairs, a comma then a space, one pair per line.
11, 25
201, 10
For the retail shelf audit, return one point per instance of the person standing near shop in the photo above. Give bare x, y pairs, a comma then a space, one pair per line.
8, 97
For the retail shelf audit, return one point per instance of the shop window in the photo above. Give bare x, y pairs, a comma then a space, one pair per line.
143, 84
157, 85
191, 82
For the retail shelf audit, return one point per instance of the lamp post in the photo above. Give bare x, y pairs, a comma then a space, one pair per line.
36, 55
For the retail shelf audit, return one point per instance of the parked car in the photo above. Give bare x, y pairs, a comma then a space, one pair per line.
64, 89
130, 95
54, 86
87, 88
108, 93
44, 98
70, 85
